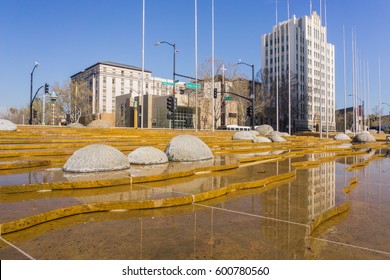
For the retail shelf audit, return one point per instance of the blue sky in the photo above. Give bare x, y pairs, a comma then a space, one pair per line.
68, 36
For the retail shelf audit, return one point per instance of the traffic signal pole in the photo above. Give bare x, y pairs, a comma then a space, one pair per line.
31, 104
174, 85
253, 97
31, 90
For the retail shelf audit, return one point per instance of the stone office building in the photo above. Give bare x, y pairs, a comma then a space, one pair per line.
300, 47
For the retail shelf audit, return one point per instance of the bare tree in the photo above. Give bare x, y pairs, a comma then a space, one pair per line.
74, 100
340, 120
15, 115
230, 76
266, 101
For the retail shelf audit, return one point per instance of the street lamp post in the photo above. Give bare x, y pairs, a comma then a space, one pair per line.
174, 78
252, 92
36, 64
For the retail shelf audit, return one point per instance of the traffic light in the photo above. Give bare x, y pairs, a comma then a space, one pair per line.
215, 93
170, 103
35, 113
46, 88
249, 111
250, 85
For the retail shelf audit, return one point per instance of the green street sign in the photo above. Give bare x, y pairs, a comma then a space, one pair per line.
192, 85
227, 98
167, 84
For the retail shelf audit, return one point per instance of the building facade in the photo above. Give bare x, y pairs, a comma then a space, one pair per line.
115, 95
298, 48
105, 81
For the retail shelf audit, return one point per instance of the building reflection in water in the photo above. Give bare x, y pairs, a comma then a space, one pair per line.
322, 194
282, 204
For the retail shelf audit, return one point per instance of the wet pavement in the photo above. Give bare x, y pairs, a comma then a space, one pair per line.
347, 197
268, 222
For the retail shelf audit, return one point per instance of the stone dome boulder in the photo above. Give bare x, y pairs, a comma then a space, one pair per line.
147, 155
275, 137
243, 135
284, 134
275, 133
96, 157
254, 132
7, 125
261, 139
364, 137
373, 131
342, 136
264, 129
100, 124
187, 148
76, 125
348, 131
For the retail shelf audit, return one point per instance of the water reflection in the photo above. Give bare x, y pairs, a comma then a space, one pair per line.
266, 223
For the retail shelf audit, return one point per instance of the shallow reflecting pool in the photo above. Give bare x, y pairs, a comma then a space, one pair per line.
337, 208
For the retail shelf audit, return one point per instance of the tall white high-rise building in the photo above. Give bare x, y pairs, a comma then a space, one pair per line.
301, 46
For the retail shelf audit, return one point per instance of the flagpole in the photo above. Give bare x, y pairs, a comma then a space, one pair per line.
356, 85
212, 62
320, 71
277, 71
364, 94
196, 65
326, 74
379, 94
345, 85
289, 78
143, 63
353, 84
368, 94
